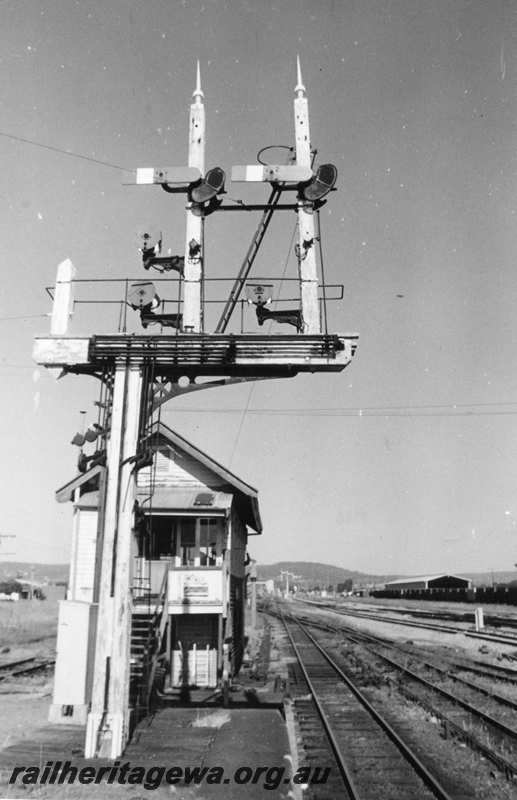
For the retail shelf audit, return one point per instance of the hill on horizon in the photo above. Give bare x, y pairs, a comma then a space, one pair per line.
316, 573
38, 572
328, 574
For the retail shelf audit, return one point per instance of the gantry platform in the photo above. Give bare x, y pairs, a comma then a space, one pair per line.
201, 354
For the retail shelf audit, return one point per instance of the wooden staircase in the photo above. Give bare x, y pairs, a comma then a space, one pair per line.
147, 635
141, 626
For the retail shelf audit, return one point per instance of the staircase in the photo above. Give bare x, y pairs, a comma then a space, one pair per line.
147, 636
141, 626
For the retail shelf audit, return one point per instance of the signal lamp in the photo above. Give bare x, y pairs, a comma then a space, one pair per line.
93, 431
149, 240
142, 296
260, 294
208, 188
150, 245
287, 316
322, 182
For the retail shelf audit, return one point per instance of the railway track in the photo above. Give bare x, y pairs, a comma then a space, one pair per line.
468, 617
479, 668
382, 618
373, 761
474, 722
492, 637
24, 666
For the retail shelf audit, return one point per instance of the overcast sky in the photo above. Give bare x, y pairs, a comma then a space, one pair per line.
411, 466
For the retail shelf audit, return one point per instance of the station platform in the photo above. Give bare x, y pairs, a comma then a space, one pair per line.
241, 751
227, 749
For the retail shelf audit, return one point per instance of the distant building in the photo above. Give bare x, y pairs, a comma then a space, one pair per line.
429, 582
21, 589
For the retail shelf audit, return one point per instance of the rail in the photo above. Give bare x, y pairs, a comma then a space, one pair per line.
409, 756
375, 644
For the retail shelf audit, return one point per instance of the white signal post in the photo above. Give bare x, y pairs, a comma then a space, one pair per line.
194, 241
107, 728
307, 246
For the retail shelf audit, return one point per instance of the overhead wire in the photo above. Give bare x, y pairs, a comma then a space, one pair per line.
60, 150
253, 384
25, 316
466, 410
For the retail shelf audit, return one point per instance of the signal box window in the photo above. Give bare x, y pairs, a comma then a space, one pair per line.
188, 542
209, 528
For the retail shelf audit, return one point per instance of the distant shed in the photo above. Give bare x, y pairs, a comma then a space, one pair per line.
429, 582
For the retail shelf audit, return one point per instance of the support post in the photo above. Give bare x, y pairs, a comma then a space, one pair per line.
63, 298
108, 721
306, 234
194, 241
253, 587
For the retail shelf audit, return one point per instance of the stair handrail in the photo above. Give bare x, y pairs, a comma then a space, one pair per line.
155, 637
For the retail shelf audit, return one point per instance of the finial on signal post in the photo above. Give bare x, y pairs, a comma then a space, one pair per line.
193, 270
197, 94
306, 233
299, 88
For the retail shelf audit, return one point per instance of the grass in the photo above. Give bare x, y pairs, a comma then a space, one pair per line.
29, 620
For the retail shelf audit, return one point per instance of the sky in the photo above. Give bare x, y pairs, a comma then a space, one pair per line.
406, 462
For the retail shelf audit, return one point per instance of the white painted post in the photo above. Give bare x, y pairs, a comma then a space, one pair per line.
63, 298
194, 240
478, 616
108, 721
306, 243
253, 587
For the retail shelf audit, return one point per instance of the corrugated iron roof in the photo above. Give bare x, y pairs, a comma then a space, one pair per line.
67, 491
248, 494
185, 500
426, 578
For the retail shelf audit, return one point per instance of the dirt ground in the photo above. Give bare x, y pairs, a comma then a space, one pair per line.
27, 628
247, 735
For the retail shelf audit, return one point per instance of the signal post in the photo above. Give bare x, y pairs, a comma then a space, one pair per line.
194, 238
108, 721
306, 243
